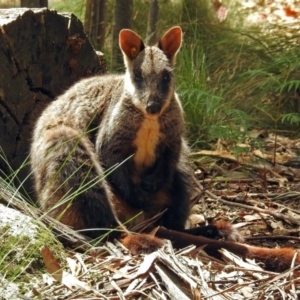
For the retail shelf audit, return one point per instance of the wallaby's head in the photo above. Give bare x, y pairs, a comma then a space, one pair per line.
149, 69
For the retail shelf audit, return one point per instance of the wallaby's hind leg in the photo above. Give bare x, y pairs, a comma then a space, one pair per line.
70, 185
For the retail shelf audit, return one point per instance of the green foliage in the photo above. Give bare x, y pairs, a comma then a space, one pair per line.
231, 79
230, 75
291, 118
76, 7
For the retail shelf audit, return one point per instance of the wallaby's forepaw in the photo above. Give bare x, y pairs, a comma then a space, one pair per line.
141, 243
217, 230
229, 232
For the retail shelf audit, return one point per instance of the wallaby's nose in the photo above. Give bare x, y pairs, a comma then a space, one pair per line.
153, 108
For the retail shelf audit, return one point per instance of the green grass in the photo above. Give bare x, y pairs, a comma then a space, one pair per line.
231, 80
20, 258
20, 255
230, 77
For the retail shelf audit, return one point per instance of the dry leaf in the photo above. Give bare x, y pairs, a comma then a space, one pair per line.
146, 264
52, 265
54, 268
74, 283
72, 265
173, 289
238, 261
253, 217
196, 219
247, 291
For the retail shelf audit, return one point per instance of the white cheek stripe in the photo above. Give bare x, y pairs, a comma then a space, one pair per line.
130, 90
129, 86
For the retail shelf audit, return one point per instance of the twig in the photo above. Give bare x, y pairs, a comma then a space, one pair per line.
238, 180
292, 273
268, 226
256, 209
273, 237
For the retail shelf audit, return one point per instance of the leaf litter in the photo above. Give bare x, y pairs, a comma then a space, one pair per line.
265, 209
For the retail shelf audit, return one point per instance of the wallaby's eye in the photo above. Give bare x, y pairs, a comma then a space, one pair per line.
166, 76
137, 76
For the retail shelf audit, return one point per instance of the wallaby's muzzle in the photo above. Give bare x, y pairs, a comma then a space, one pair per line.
153, 107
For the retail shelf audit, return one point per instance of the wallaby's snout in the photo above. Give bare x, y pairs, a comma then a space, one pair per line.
160, 88
153, 107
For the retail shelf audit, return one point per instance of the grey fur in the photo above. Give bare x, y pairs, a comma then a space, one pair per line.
95, 125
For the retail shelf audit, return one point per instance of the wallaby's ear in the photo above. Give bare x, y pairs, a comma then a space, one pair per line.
171, 42
130, 43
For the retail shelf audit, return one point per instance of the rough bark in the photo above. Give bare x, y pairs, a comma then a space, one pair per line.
122, 19
34, 3
95, 21
152, 22
42, 53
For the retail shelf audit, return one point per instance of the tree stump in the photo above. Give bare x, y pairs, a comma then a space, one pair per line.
42, 53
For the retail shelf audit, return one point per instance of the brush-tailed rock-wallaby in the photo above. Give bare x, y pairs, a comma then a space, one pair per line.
112, 146
133, 122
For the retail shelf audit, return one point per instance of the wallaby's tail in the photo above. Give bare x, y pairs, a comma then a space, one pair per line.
274, 259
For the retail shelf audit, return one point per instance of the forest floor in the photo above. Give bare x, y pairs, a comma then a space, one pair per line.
256, 188
258, 191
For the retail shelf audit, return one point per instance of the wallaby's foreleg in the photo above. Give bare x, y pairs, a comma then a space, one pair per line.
178, 209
